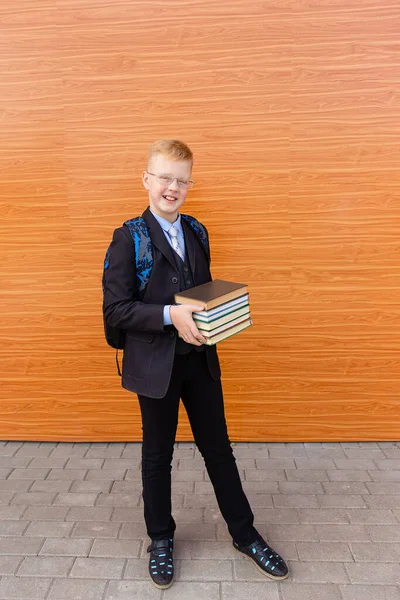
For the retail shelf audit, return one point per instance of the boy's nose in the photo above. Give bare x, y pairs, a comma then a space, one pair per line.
174, 185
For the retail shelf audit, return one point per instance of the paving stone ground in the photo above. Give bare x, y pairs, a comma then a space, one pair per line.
71, 523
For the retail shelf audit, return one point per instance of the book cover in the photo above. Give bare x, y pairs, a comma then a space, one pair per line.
232, 315
228, 333
212, 293
225, 326
208, 315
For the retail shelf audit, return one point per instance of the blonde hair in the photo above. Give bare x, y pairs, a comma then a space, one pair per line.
172, 149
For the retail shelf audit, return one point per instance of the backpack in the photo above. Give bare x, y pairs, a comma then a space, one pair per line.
115, 336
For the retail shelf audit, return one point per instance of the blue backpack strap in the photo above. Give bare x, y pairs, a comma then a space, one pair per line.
201, 232
143, 252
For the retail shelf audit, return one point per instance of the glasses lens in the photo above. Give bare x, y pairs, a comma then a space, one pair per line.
164, 179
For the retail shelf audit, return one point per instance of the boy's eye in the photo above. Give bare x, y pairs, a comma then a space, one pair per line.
165, 178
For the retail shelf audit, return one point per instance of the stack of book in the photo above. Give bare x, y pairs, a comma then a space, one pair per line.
226, 308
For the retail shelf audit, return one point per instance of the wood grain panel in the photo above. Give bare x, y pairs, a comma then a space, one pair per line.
292, 109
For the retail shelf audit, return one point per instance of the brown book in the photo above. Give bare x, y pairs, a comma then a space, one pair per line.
228, 332
211, 294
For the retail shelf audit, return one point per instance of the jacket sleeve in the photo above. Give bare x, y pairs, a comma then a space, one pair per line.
120, 305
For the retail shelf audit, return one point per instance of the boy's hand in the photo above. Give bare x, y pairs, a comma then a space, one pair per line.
181, 317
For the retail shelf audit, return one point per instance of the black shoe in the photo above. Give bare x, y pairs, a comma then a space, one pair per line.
161, 566
265, 559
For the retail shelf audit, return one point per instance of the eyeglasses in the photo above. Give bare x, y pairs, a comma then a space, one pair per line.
167, 179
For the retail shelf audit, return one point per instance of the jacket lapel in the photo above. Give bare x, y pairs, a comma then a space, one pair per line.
158, 238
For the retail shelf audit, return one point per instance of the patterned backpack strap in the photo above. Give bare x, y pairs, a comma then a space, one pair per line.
200, 231
143, 252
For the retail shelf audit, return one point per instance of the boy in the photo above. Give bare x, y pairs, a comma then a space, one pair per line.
163, 368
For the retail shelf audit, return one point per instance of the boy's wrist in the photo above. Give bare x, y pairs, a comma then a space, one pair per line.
167, 315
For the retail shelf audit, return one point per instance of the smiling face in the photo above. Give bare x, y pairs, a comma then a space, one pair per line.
165, 200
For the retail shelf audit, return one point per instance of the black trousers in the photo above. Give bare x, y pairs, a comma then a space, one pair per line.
203, 401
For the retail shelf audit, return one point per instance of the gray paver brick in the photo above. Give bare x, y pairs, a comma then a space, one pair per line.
119, 463
193, 591
324, 551
384, 533
318, 572
387, 574
116, 548
287, 453
20, 545
5, 472
355, 463
29, 474
54, 486
45, 513
314, 463
65, 547
48, 529
366, 452
34, 450
379, 501
264, 475
293, 533
295, 501
23, 588
385, 475
66, 474
13, 527
74, 499
382, 487
343, 533
98, 568
312, 475
348, 475
345, 487
87, 487
292, 591
376, 552
274, 464
119, 499
85, 463
369, 592
89, 513
113, 451
94, 530
131, 487
9, 564
19, 485
6, 497
300, 487
204, 570
75, 589
239, 590
342, 501
45, 566
107, 474
135, 590
8, 462
370, 515
34, 499
334, 515
47, 463
388, 463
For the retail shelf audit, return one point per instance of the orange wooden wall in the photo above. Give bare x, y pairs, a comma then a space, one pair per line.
292, 110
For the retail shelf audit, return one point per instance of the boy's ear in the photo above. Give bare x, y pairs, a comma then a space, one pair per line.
145, 180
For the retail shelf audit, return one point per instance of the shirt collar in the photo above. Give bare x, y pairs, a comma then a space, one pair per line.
165, 225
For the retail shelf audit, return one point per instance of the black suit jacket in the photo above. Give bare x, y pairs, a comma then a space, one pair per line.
150, 347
